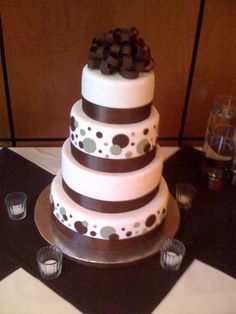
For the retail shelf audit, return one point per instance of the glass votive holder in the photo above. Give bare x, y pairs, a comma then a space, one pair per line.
16, 205
49, 259
185, 194
172, 252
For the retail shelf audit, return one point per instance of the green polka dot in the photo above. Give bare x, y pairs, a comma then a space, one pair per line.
89, 145
136, 224
51, 198
105, 144
82, 132
107, 231
115, 150
128, 154
62, 211
58, 216
85, 223
141, 145
76, 124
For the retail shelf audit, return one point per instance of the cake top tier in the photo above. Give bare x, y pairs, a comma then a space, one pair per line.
122, 51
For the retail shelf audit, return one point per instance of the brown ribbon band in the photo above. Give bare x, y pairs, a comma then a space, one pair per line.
109, 206
116, 115
101, 244
112, 165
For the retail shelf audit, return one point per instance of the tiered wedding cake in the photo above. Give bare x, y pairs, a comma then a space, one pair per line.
110, 192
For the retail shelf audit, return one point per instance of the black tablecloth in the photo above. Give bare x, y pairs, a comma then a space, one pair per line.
208, 230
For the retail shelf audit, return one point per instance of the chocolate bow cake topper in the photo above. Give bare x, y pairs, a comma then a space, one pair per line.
120, 50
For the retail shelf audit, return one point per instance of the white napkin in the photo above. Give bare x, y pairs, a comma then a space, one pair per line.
21, 293
201, 290
48, 158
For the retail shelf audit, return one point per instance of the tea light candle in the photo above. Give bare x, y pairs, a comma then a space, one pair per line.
50, 266
172, 258
17, 209
183, 199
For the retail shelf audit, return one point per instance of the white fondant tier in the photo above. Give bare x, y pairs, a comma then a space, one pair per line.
114, 141
115, 91
102, 225
110, 186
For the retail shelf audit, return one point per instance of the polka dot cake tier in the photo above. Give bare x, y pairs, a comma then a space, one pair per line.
110, 193
108, 226
127, 146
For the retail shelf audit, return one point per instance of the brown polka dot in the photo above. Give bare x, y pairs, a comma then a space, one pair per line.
93, 233
99, 134
145, 131
65, 217
128, 234
163, 211
81, 145
80, 227
150, 221
121, 139
72, 123
72, 136
147, 148
114, 236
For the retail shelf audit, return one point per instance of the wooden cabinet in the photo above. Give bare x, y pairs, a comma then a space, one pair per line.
46, 43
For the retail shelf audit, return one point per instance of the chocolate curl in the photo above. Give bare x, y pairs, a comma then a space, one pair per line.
134, 31
115, 50
148, 65
126, 50
127, 63
120, 50
100, 53
139, 66
113, 61
106, 68
93, 64
129, 74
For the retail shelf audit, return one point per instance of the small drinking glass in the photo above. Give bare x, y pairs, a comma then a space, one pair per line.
185, 194
16, 205
220, 142
49, 259
172, 252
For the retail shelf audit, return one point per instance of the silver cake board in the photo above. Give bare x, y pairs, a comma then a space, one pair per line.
103, 258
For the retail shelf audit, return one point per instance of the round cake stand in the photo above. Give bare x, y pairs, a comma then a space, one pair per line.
102, 258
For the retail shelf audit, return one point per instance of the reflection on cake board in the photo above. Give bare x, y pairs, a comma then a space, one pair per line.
102, 258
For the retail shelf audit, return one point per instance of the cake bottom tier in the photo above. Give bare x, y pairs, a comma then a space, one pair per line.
102, 230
